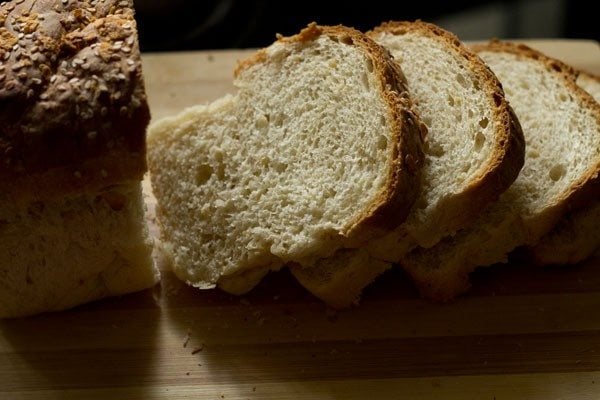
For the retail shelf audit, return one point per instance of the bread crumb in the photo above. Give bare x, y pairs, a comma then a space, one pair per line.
198, 349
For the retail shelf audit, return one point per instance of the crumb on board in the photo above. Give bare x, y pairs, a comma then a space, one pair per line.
198, 349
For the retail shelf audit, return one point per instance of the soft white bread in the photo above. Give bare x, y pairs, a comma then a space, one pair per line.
73, 116
318, 150
474, 151
577, 235
561, 123
70, 250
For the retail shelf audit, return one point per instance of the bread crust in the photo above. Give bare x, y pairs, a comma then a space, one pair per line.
73, 111
587, 188
391, 205
508, 156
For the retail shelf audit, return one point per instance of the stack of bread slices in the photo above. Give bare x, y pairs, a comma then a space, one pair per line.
343, 154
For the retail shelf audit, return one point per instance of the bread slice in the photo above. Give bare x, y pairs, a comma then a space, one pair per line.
577, 235
73, 115
561, 123
318, 150
474, 151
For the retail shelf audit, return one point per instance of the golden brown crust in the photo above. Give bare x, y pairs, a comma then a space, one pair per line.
392, 205
308, 34
523, 51
71, 94
89, 176
586, 189
509, 152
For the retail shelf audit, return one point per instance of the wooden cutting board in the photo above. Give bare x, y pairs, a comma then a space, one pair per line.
521, 333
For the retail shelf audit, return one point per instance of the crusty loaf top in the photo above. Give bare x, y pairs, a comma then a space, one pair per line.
73, 110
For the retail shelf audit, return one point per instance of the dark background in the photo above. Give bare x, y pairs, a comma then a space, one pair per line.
212, 24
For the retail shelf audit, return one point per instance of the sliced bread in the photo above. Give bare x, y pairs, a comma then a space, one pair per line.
319, 149
474, 151
577, 235
561, 123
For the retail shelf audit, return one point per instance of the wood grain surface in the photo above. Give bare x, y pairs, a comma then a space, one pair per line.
521, 333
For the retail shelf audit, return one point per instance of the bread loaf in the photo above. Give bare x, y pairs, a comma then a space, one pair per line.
73, 115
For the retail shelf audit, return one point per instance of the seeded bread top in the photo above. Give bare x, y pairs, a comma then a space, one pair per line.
73, 111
